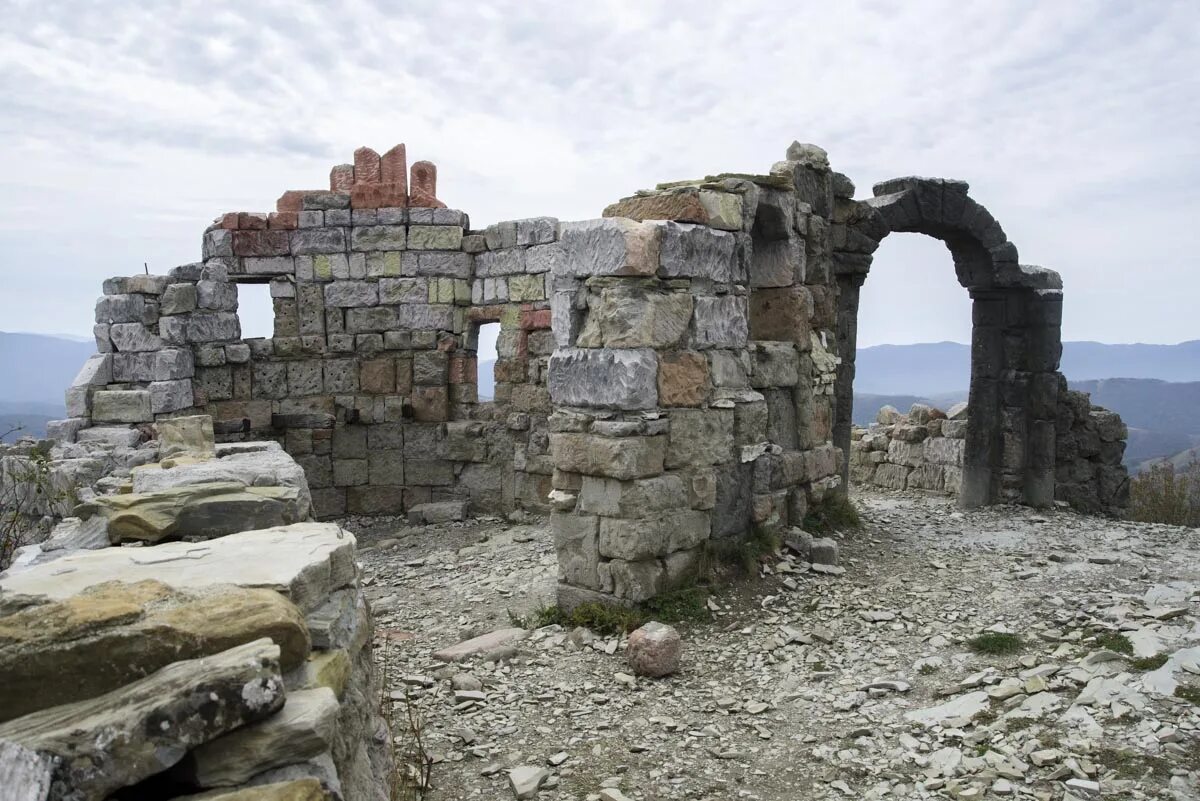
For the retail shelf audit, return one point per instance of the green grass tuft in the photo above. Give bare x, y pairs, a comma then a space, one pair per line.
1189, 694
686, 605
995, 643
1115, 642
834, 512
1148, 663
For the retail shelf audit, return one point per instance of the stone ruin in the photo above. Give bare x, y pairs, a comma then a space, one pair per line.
670, 376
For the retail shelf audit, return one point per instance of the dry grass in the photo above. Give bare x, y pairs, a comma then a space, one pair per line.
1166, 494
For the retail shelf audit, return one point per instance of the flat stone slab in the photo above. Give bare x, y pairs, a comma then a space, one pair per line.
480, 645
304, 561
111, 634
86, 750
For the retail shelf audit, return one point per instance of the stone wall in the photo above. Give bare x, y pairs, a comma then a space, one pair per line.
692, 380
925, 450
370, 379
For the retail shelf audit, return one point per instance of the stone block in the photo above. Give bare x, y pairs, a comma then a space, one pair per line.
350, 472
378, 376
630, 315
310, 241
373, 319
652, 535
945, 451
613, 246
374, 500
216, 296
576, 543
544, 258
721, 210
781, 314
635, 581
96, 371
720, 322
682, 378
450, 265
430, 404
434, 237
344, 294
430, 368
178, 299
630, 499
269, 265
121, 309
269, 380
386, 467
696, 251
304, 378
170, 396
613, 457
133, 337
366, 238
699, 437
620, 379
341, 375
122, 406
776, 364
261, 243
426, 318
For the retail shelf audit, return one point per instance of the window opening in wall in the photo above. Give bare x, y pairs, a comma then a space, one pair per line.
256, 312
485, 352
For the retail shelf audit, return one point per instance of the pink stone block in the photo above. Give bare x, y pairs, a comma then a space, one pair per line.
394, 167
367, 168
341, 178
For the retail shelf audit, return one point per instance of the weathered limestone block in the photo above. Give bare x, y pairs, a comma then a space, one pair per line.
909, 454
121, 309
652, 535
351, 293
200, 327
178, 299
96, 371
194, 510
927, 477
892, 476
630, 315
696, 251
619, 379
367, 238
302, 729
111, 633
613, 498
945, 451
170, 396
88, 749
720, 322
722, 210
122, 406
699, 437
776, 364
575, 541
781, 314
305, 562
131, 337
136, 284
614, 246
613, 457
435, 237
264, 465
682, 378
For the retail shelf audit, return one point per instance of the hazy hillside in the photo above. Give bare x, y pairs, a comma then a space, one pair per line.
37, 369
938, 367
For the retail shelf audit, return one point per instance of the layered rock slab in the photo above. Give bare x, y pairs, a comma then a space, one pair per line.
305, 562
86, 750
111, 634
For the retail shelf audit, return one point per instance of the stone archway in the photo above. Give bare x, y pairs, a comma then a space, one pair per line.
1015, 341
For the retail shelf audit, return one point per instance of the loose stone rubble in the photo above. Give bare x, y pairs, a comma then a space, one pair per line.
799, 684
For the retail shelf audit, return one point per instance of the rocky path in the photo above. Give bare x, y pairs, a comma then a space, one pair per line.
809, 686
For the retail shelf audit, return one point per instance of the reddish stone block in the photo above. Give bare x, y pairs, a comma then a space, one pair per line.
783, 314
341, 178
378, 376
463, 370
431, 404
367, 166
260, 243
522, 344
293, 199
283, 220
229, 221
682, 378
394, 167
252, 221
535, 319
422, 188
485, 314
378, 196
511, 371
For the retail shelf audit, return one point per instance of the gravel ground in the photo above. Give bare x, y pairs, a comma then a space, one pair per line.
798, 685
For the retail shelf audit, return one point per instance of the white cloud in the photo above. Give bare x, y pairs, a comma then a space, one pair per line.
123, 130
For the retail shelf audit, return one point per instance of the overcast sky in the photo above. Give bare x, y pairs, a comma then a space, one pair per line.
125, 128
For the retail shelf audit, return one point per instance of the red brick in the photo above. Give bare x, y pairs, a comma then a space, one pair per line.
378, 196
341, 178
463, 370
394, 167
293, 199
367, 167
252, 221
229, 220
422, 188
283, 220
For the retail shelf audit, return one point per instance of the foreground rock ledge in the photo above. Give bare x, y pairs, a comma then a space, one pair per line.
86, 750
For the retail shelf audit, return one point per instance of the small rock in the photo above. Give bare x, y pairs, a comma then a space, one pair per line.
654, 650
526, 779
465, 681
823, 551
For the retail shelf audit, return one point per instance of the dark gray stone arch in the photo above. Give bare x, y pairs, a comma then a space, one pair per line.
1015, 343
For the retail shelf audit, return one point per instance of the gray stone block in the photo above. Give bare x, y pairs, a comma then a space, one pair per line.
720, 322
536, 230
96, 371
216, 296
268, 265
121, 309
178, 299
133, 337
403, 290
617, 379
309, 241
122, 406
453, 265
170, 396
610, 246
425, 318
351, 293
696, 251
378, 237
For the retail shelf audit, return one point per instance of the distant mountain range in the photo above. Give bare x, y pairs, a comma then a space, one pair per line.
945, 367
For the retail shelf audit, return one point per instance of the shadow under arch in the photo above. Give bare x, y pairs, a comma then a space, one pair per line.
1016, 340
